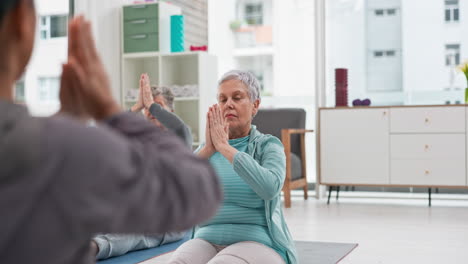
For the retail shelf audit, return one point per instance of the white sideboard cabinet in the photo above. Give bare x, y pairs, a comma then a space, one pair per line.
412, 146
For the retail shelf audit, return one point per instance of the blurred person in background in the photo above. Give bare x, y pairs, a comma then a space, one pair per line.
62, 181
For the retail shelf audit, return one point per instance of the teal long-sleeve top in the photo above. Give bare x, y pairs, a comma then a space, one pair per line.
251, 210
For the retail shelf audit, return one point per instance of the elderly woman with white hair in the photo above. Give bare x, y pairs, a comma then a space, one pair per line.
249, 227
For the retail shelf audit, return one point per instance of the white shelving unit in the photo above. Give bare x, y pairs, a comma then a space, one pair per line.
184, 68
146, 42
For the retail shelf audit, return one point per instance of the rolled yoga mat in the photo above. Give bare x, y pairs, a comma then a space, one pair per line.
177, 33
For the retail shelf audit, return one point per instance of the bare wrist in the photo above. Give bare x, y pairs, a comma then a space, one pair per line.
206, 152
110, 109
136, 108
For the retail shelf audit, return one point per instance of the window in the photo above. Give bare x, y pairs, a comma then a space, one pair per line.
53, 26
254, 14
381, 12
452, 11
48, 89
452, 54
378, 53
382, 53
386, 49
20, 91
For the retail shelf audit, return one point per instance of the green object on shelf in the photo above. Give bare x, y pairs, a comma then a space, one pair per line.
466, 95
177, 33
138, 26
141, 42
140, 11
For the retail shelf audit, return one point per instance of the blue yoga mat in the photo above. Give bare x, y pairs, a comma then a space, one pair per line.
141, 255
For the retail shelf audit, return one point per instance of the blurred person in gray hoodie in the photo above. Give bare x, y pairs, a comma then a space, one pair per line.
62, 181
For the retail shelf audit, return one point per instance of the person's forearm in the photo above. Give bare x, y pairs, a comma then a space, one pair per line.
227, 151
266, 178
206, 152
136, 108
167, 119
172, 122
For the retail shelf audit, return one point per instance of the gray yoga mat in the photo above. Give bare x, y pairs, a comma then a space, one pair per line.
309, 253
322, 252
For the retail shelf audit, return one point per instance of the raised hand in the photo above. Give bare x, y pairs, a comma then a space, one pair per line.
145, 88
208, 150
85, 67
70, 100
138, 106
219, 128
208, 142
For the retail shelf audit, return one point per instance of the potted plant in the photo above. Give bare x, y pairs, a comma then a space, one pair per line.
236, 24
464, 68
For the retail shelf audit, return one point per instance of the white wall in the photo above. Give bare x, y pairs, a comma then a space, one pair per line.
105, 17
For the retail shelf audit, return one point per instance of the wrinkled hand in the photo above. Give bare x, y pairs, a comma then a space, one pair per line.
86, 68
219, 128
145, 91
208, 142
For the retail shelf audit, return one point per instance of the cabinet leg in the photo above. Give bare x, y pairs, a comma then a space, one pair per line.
330, 189
429, 191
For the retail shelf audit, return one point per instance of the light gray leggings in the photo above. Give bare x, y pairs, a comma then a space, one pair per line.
199, 251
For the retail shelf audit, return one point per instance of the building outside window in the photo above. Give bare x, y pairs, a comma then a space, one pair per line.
254, 13
452, 11
452, 54
54, 26
394, 57
49, 89
20, 91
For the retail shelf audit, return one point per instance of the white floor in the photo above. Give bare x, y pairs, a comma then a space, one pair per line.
389, 228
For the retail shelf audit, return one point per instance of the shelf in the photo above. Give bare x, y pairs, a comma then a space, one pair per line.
254, 51
184, 53
140, 55
143, 55
177, 99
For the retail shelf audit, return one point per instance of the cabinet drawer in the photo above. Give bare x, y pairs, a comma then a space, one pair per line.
140, 11
427, 146
141, 43
428, 172
142, 25
427, 120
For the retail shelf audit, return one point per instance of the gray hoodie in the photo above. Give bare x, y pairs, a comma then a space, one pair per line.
61, 182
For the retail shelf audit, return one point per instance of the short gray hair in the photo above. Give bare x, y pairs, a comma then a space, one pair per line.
247, 78
166, 93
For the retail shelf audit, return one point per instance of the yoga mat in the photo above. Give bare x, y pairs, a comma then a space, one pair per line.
177, 33
141, 255
308, 251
